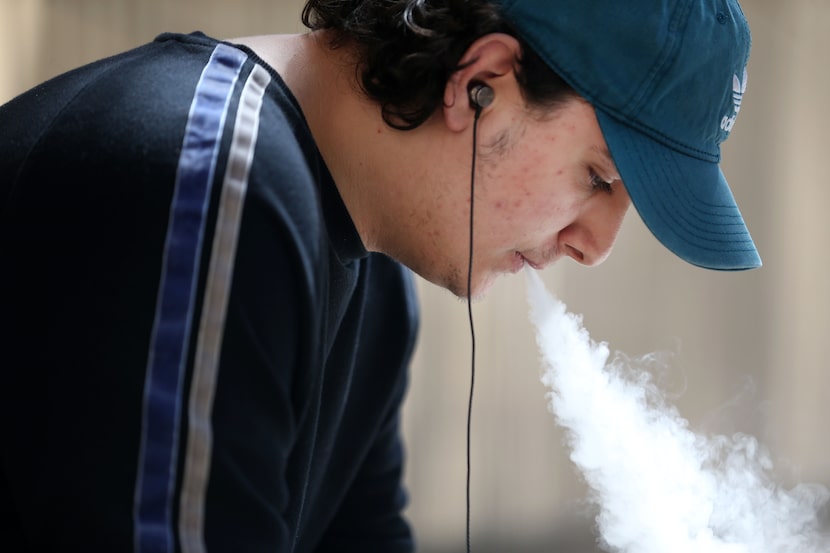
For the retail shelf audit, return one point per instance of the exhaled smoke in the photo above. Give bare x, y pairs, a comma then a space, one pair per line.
660, 487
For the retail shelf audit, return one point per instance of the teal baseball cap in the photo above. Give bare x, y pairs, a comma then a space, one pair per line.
666, 79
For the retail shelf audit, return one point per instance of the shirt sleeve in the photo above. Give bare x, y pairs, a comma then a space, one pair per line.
255, 414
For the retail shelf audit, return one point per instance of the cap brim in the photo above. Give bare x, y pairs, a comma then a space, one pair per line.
684, 201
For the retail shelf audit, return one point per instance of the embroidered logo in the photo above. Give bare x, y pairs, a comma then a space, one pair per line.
738, 89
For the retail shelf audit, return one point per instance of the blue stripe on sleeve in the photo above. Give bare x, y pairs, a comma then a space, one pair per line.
156, 478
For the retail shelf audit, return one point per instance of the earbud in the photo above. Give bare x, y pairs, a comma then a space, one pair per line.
481, 95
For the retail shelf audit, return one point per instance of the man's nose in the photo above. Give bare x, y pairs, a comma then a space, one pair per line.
590, 239
584, 247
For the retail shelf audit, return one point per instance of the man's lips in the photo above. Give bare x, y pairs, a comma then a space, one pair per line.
519, 262
536, 265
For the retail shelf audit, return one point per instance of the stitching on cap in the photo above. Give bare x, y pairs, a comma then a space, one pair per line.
666, 59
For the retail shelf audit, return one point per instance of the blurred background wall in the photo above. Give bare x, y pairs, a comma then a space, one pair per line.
747, 350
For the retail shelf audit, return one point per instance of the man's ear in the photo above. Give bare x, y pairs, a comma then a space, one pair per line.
488, 60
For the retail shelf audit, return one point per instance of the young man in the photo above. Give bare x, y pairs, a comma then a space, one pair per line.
206, 319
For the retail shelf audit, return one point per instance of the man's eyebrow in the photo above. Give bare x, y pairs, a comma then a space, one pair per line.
605, 154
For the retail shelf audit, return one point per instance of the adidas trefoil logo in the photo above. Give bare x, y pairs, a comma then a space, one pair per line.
738, 89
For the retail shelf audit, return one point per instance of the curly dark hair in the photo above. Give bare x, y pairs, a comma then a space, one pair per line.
409, 49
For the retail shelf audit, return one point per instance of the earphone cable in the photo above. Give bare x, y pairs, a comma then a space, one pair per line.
470, 316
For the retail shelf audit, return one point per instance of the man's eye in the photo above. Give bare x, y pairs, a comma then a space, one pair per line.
600, 185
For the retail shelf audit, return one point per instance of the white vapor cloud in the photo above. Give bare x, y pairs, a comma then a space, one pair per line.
659, 487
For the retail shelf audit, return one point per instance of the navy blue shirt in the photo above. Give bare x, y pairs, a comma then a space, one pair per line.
197, 353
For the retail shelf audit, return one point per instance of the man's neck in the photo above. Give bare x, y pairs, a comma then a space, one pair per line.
380, 172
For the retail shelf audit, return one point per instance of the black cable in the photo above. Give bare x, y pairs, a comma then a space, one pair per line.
470, 315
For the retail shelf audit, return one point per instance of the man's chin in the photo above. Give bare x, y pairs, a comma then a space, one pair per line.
480, 287
456, 283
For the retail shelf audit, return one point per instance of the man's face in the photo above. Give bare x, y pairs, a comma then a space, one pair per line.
545, 188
